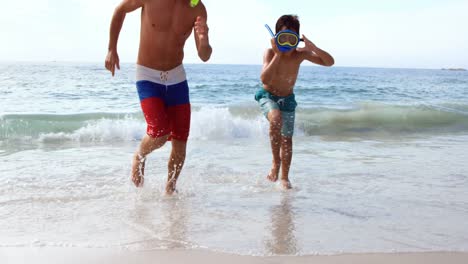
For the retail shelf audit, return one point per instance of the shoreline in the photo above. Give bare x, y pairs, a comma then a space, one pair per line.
80, 255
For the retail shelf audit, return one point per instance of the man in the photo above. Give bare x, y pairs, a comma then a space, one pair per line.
161, 81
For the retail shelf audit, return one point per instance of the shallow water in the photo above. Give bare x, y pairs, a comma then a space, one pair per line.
373, 170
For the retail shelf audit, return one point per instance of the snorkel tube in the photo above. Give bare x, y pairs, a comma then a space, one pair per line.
269, 30
283, 48
194, 3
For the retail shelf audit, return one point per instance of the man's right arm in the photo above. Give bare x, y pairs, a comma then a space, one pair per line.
126, 6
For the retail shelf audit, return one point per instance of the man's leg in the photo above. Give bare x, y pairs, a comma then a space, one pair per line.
153, 104
148, 144
286, 157
175, 164
157, 133
274, 116
179, 120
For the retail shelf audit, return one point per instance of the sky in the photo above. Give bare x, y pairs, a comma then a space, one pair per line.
357, 33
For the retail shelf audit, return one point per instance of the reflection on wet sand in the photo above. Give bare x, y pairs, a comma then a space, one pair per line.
160, 226
283, 239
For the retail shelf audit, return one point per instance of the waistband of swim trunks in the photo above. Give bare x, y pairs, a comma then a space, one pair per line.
174, 76
264, 93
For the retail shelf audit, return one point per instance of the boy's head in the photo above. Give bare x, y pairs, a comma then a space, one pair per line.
290, 22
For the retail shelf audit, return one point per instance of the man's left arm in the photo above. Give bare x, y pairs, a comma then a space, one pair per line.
201, 35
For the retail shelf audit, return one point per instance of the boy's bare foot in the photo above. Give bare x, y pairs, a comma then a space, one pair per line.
286, 184
171, 187
273, 175
138, 170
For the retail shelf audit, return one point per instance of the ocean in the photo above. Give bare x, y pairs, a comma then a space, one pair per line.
379, 164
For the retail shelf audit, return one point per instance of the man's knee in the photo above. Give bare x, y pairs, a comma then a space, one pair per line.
149, 143
179, 148
158, 141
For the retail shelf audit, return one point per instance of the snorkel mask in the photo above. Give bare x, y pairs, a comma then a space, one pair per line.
194, 3
286, 40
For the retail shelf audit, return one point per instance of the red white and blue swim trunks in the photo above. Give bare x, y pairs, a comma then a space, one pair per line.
164, 98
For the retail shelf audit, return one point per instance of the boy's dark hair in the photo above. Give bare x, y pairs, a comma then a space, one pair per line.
290, 21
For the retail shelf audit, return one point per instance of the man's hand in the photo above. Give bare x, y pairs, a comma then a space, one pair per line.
112, 60
201, 30
309, 46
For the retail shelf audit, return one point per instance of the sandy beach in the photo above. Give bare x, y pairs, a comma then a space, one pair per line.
54, 255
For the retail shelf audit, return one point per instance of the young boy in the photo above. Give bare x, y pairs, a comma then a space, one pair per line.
280, 69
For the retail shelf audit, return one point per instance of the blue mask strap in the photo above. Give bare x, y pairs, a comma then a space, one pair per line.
269, 29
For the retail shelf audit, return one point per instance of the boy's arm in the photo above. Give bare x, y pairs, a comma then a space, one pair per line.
126, 6
313, 54
270, 63
200, 30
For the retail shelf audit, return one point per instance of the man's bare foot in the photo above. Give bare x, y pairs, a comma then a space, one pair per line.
273, 176
171, 187
138, 170
286, 184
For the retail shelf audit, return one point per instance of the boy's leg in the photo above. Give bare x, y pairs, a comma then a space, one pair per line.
287, 131
286, 157
274, 116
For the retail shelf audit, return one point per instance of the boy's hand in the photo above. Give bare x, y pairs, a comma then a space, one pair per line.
309, 46
201, 29
112, 60
275, 48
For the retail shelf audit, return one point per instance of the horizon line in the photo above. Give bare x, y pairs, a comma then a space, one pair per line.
231, 64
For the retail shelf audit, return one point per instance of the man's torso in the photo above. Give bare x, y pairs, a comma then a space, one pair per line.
165, 26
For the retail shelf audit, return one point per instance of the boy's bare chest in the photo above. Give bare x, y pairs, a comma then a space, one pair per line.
289, 67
